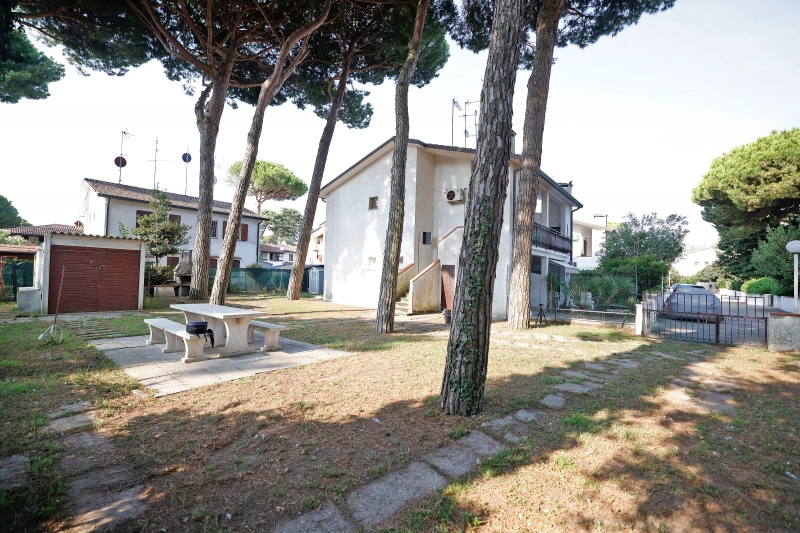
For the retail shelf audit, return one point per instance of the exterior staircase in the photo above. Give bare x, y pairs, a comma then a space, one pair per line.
401, 305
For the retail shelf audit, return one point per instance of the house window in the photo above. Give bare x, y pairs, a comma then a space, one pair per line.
291, 257
585, 247
214, 227
427, 237
373, 202
706, 263
697, 262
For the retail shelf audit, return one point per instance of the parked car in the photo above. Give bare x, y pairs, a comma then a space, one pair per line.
692, 302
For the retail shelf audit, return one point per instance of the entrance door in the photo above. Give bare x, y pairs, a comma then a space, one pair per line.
448, 286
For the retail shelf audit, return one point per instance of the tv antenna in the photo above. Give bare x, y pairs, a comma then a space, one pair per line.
155, 161
187, 158
120, 161
455, 105
465, 115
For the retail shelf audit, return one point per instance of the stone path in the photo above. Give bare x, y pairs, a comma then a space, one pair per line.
374, 504
99, 495
88, 329
166, 374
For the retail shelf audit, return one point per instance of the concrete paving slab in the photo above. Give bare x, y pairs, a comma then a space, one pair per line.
624, 363
108, 478
106, 511
715, 402
575, 388
575, 375
453, 460
13, 471
329, 519
553, 401
480, 443
76, 407
499, 422
70, 423
529, 416
543, 337
375, 503
510, 437
663, 355
595, 366
83, 452
146, 371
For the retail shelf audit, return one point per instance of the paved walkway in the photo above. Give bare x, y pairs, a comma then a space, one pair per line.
166, 374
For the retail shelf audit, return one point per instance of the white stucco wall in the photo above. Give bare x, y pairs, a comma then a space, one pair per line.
692, 262
355, 233
423, 210
92, 211
125, 212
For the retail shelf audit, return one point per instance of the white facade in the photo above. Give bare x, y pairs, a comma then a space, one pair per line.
357, 215
586, 241
102, 215
690, 263
316, 246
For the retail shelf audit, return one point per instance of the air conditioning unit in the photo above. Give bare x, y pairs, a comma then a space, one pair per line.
454, 196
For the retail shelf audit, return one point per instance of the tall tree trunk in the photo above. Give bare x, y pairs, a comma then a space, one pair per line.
208, 113
269, 89
519, 305
394, 230
464, 378
296, 280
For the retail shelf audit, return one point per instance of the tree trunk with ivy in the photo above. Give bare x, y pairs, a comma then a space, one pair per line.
208, 113
298, 268
394, 230
519, 304
464, 378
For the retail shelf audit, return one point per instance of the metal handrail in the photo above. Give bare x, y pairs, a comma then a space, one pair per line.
550, 239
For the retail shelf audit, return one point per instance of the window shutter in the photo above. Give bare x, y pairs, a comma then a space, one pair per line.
172, 261
212, 263
224, 227
235, 263
244, 232
175, 218
140, 213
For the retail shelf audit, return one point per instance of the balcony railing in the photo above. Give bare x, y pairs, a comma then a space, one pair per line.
550, 239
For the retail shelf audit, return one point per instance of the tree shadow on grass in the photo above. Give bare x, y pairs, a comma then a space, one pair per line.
621, 456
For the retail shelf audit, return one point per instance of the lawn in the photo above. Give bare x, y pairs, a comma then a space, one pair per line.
283, 443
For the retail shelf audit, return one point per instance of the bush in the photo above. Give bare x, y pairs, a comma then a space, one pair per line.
254, 265
763, 286
160, 275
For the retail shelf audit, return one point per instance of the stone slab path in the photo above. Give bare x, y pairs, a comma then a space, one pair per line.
374, 504
166, 374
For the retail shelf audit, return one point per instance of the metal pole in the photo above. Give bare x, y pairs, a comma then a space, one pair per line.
795, 283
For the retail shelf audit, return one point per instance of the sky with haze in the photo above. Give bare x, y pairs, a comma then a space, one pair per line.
634, 121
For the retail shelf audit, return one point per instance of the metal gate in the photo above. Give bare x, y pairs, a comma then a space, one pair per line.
707, 318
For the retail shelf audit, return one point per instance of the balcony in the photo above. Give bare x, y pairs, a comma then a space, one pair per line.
549, 239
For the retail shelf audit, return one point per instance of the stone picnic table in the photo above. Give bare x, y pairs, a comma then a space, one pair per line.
230, 324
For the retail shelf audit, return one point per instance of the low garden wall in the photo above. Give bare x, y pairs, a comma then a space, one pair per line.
426, 290
783, 333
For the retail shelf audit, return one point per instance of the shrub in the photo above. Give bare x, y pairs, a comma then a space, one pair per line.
254, 265
160, 275
762, 286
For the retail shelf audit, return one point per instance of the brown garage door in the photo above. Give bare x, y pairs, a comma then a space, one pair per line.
95, 279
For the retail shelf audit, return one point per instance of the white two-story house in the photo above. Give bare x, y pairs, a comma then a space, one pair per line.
104, 205
587, 238
437, 181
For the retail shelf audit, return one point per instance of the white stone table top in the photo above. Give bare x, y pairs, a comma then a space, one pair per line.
216, 311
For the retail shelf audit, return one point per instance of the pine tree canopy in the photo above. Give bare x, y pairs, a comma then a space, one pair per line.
27, 71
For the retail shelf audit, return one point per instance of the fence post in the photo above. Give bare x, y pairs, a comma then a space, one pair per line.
716, 329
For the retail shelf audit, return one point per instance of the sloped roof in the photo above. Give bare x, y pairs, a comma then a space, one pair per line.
275, 248
18, 249
447, 148
141, 194
47, 229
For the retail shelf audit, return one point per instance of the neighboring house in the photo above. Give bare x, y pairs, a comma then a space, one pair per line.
437, 180
690, 263
35, 234
586, 241
105, 205
316, 246
18, 251
277, 254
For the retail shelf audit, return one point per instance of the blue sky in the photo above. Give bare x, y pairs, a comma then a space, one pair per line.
633, 121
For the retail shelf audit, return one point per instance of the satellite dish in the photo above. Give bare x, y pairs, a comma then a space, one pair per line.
120, 161
187, 158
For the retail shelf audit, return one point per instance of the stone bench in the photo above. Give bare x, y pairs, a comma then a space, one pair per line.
163, 330
271, 334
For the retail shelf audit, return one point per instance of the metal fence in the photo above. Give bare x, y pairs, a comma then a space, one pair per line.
595, 295
706, 318
260, 279
16, 273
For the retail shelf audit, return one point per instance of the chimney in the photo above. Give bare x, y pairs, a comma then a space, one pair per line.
513, 142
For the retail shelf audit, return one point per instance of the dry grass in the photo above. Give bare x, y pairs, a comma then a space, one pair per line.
285, 442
